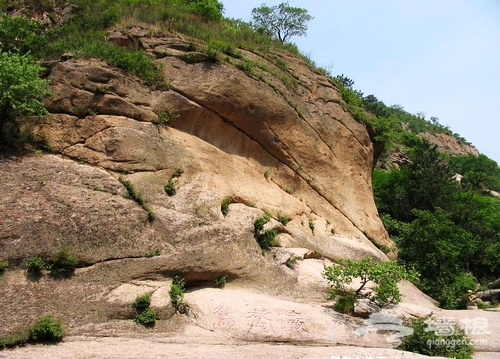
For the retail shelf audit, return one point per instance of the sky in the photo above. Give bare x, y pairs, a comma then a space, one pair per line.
437, 57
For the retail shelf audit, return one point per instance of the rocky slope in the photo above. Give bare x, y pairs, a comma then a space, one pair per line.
286, 147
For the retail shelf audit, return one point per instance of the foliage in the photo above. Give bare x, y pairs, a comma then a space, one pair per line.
169, 188
479, 172
21, 35
46, 329
220, 282
21, 89
63, 263
345, 301
3, 266
211, 10
283, 219
385, 275
152, 254
426, 342
35, 265
137, 197
13, 340
224, 206
281, 21
291, 262
177, 290
164, 117
142, 302
145, 315
265, 238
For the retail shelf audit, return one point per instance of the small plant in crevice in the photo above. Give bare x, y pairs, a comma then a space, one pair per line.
267, 173
164, 117
224, 206
291, 262
63, 264
35, 265
220, 282
311, 225
145, 316
177, 290
169, 188
152, 254
283, 219
265, 238
137, 197
3, 266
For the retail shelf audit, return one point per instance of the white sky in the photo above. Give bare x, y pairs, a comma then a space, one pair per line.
439, 57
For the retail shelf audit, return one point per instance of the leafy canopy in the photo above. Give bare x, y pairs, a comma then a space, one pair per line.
282, 21
385, 275
21, 89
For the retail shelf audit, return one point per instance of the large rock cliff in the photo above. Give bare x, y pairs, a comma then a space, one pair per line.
272, 138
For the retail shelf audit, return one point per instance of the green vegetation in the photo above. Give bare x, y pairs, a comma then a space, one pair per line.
46, 329
283, 219
169, 188
3, 266
35, 265
385, 275
426, 342
220, 282
137, 197
291, 262
265, 238
177, 290
281, 21
164, 117
145, 316
152, 254
21, 92
63, 263
448, 231
224, 206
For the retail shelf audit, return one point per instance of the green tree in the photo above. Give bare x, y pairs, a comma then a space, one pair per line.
21, 88
281, 21
208, 9
385, 275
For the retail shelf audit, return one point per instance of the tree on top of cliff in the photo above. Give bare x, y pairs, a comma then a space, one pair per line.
281, 21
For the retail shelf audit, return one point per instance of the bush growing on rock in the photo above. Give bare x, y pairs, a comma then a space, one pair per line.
385, 275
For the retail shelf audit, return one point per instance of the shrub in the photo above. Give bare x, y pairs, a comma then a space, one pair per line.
283, 219
385, 275
224, 206
35, 265
177, 290
152, 254
146, 317
164, 117
291, 262
345, 301
261, 221
142, 302
63, 263
13, 340
220, 282
268, 239
426, 342
46, 329
3, 266
169, 188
